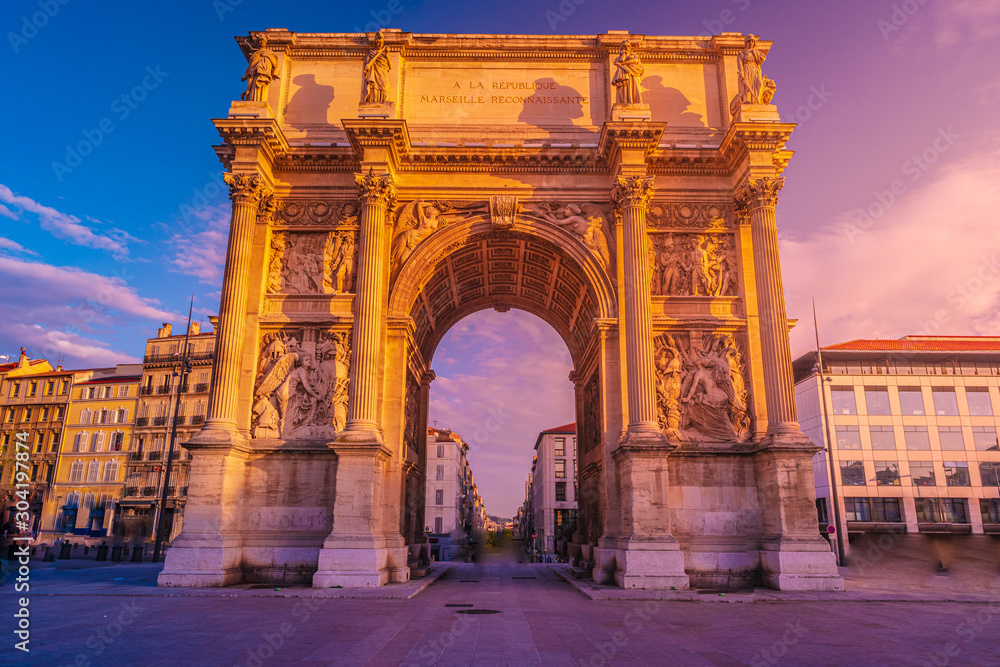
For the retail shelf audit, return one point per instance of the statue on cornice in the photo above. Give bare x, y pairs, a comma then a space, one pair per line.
260, 72
376, 72
626, 78
755, 88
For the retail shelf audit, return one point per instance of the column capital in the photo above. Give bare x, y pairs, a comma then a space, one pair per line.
758, 193
372, 189
246, 188
632, 191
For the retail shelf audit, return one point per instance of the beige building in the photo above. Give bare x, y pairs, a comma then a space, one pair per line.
88, 482
554, 489
912, 431
158, 397
453, 509
385, 186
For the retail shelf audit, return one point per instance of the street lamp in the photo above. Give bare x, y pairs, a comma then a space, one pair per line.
828, 440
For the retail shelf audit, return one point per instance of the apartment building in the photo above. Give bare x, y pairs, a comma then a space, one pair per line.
554, 489
453, 508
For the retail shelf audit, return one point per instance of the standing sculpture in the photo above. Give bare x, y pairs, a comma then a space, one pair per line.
260, 72
376, 72
626, 78
755, 88
341, 250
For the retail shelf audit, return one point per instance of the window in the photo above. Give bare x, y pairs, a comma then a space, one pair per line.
979, 401
111, 471
985, 438
440, 472
104, 417
990, 507
27, 414
123, 391
887, 473
852, 473
911, 401
560, 446
82, 442
822, 514
951, 438
88, 501
945, 401
94, 471
560, 468
439, 497
438, 524
98, 442
922, 473
877, 400
989, 473
49, 387
15, 390
883, 437
32, 388
45, 414
843, 401
561, 491
91, 392
941, 510
887, 509
55, 442
73, 499
857, 509
121, 415
916, 438
76, 471
86, 416
957, 473
848, 437
117, 440
440, 451
63, 387
60, 413
10, 414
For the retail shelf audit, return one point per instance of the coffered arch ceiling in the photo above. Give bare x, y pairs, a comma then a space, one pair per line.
470, 266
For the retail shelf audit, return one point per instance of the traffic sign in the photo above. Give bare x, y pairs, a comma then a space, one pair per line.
534, 536
831, 529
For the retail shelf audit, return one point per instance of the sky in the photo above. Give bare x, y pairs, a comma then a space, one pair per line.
886, 219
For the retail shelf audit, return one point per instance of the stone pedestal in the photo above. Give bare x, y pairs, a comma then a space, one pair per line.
630, 112
750, 113
376, 110
250, 109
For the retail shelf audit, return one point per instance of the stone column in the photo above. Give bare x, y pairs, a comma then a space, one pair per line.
630, 198
377, 195
758, 199
247, 192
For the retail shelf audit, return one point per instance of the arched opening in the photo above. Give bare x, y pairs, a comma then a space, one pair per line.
538, 269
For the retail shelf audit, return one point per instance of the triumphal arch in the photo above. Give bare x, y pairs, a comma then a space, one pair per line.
620, 186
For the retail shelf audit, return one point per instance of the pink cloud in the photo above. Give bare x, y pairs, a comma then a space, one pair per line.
201, 252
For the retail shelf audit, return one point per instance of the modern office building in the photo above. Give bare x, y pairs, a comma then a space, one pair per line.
158, 396
912, 426
554, 490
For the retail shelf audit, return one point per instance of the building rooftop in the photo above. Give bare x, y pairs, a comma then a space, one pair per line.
113, 379
922, 343
565, 428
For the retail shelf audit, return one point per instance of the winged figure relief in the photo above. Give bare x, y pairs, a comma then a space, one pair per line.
585, 221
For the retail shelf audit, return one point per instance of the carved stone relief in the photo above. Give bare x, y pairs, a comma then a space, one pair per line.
418, 219
312, 263
411, 434
306, 212
693, 265
588, 222
301, 388
701, 390
702, 216
590, 434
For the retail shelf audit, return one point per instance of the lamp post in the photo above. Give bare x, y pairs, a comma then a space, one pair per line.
830, 463
185, 369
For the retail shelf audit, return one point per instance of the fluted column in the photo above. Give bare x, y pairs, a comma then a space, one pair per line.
757, 199
377, 195
630, 199
246, 192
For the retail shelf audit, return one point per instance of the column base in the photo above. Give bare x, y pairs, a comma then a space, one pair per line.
604, 561
208, 562
654, 565
801, 566
361, 563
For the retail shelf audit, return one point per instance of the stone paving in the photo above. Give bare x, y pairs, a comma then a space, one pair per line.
114, 615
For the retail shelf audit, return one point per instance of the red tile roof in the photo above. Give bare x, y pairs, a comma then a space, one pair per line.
923, 344
565, 428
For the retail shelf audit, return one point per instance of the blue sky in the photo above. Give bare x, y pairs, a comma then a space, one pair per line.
96, 250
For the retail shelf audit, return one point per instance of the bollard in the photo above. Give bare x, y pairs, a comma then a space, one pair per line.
64, 551
10, 551
102, 553
86, 550
137, 555
49, 556
116, 554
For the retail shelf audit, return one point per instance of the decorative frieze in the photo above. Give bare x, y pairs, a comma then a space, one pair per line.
693, 265
316, 212
707, 216
312, 263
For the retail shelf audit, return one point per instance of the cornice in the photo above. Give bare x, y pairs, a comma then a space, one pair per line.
264, 133
388, 134
617, 137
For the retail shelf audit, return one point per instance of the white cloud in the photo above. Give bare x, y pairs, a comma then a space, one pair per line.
14, 246
930, 264
201, 252
74, 349
63, 225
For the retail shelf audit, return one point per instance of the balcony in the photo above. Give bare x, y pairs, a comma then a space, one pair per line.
198, 419
141, 421
174, 456
201, 388
130, 491
145, 391
135, 456
184, 388
154, 456
159, 421
148, 491
179, 420
165, 389
171, 491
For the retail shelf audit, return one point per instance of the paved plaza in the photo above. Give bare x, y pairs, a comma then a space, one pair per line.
522, 614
